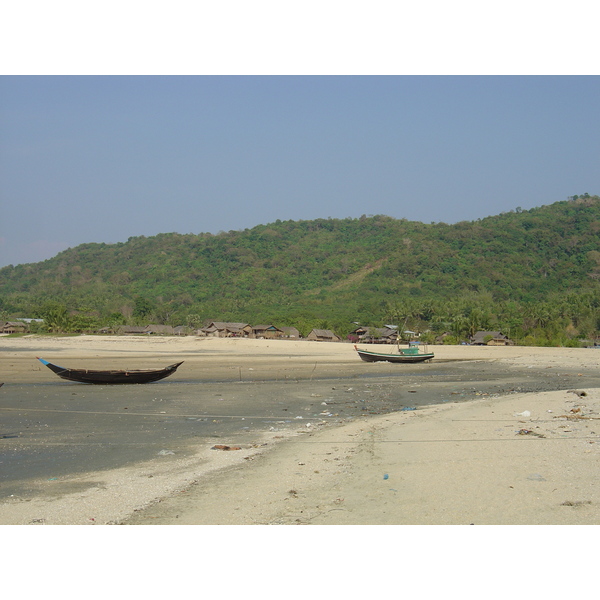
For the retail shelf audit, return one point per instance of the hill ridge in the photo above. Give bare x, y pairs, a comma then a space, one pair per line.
329, 271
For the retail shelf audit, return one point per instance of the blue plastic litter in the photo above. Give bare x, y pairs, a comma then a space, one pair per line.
386, 476
409, 408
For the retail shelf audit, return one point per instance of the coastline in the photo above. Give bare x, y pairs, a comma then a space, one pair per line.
479, 462
453, 463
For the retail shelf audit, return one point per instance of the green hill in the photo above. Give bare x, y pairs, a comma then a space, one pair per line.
334, 272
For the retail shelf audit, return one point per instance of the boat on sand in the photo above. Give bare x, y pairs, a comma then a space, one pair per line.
403, 355
110, 377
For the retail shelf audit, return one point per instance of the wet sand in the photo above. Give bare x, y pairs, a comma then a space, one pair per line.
463, 451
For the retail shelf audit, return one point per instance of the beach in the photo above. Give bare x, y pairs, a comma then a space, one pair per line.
522, 448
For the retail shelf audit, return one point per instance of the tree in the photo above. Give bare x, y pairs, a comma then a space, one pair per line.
56, 317
459, 326
143, 308
194, 321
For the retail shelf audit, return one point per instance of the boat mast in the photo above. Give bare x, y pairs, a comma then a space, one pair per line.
401, 334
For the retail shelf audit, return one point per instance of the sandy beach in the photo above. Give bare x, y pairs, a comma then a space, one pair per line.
489, 459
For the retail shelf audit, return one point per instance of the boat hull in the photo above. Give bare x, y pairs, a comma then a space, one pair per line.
111, 377
369, 356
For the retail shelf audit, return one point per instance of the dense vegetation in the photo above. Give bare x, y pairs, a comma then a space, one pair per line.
533, 274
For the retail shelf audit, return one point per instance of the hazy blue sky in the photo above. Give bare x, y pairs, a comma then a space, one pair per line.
100, 159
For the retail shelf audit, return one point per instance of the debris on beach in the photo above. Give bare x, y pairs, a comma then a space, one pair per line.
165, 452
575, 414
223, 447
525, 413
530, 432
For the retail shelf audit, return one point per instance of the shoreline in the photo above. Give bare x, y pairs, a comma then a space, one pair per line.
479, 462
277, 489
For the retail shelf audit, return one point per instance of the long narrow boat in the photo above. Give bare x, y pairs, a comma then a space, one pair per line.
106, 377
404, 355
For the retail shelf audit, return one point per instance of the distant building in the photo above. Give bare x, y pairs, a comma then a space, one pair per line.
222, 329
266, 331
132, 330
291, 332
159, 329
12, 327
440, 338
374, 335
181, 330
146, 330
323, 335
491, 338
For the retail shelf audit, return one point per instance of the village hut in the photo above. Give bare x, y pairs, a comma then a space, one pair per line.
323, 335
223, 329
13, 327
159, 330
133, 330
181, 330
374, 335
491, 338
266, 331
440, 339
291, 332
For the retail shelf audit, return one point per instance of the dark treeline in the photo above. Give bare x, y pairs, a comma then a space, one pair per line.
532, 274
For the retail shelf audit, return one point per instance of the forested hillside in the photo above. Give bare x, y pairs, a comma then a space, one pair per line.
533, 272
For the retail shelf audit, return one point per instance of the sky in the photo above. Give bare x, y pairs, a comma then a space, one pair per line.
100, 156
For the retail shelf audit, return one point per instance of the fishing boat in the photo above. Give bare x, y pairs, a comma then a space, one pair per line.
403, 355
107, 377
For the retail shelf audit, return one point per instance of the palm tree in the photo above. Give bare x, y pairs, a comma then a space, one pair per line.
459, 326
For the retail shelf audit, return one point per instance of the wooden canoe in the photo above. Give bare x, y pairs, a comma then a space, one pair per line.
110, 377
